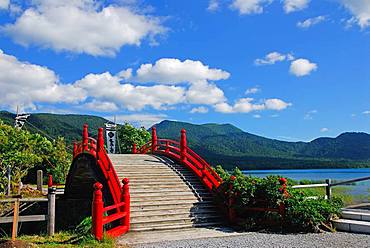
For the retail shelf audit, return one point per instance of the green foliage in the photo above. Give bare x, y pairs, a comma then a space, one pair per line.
307, 214
58, 161
245, 192
21, 150
129, 135
84, 228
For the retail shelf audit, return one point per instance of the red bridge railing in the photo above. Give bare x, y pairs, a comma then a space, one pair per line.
120, 195
180, 152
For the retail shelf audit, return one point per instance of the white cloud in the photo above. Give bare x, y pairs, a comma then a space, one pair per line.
174, 71
200, 110
295, 5
204, 93
311, 22
302, 67
253, 90
276, 104
25, 84
367, 112
309, 115
100, 106
324, 129
82, 27
213, 5
145, 120
246, 105
272, 58
4, 4
106, 87
360, 9
246, 7
257, 116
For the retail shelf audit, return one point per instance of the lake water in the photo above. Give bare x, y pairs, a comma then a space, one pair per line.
360, 188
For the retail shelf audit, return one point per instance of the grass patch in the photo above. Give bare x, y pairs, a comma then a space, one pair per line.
67, 239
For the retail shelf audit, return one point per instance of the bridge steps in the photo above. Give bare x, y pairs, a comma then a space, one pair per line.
355, 220
165, 195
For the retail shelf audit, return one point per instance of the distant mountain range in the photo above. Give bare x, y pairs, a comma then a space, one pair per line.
226, 144
230, 146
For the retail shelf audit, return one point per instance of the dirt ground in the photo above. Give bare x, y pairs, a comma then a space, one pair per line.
15, 244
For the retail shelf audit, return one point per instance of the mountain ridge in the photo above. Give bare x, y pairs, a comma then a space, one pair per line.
226, 144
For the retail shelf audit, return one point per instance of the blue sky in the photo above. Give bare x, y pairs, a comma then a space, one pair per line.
285, 69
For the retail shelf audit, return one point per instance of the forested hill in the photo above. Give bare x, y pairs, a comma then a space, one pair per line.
68, 126
227, 144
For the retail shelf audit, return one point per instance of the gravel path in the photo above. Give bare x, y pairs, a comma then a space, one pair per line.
262, 240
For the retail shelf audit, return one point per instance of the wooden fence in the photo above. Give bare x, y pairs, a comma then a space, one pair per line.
328, 185
16, 218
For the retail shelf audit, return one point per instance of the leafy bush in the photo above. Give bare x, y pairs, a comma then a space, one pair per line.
273, 192
129, 135
21, 150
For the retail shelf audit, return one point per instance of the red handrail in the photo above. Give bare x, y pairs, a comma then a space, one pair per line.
121, 212
180, 152
120, 196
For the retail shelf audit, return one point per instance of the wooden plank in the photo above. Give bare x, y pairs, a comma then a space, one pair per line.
25, 218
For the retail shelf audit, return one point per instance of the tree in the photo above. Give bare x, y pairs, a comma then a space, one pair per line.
21, 150
128, 135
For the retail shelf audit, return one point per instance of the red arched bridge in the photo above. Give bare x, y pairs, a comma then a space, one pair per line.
170, 186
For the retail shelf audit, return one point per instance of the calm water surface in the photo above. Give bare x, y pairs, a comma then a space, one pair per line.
361, 188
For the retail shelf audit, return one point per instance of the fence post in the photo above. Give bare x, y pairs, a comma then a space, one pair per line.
183, 145
134, 151
97, 211
126, 198
16, 213
39, 180
85, 137
51, 210
154, 139
328, 189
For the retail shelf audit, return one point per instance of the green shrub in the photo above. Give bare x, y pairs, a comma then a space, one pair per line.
22, 150
129, 135
301, 212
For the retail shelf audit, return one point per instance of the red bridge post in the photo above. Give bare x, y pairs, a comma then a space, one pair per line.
97, 211
85, 138
74, 149
183, 145
126, 199
154, 139
134, 151
50, 181
100, 142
